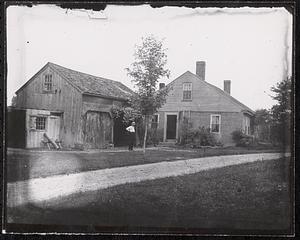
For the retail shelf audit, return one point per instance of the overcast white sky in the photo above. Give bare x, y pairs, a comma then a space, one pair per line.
249, 46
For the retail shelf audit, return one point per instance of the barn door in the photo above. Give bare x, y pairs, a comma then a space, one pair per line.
97, 129
53, 127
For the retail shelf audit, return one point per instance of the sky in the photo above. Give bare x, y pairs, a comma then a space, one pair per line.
252, 47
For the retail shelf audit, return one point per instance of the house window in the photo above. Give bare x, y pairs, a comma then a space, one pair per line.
187, 91
48, 84
154, 121
215, 123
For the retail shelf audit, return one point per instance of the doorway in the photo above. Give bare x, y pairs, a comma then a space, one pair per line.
171, 128
53, 128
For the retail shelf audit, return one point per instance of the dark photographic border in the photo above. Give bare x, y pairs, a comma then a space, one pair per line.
291, 6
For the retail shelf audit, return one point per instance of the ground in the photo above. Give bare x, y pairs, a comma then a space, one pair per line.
246, 198
23, 164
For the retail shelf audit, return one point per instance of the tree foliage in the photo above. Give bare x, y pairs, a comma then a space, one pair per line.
281, 112
126, 113
147, 69
262, 124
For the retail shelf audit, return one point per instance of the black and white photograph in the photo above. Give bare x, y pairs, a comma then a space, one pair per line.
149, 119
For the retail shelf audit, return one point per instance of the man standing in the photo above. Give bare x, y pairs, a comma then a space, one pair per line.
131, 131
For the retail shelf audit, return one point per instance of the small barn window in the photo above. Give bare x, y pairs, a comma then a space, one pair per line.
40, 123
154, 121
48, 84
187, 91
215, 123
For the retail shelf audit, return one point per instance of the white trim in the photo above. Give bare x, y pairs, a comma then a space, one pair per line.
165, 124
215, 115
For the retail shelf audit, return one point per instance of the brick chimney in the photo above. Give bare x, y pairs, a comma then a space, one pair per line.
161, 85
200, 69
227, 86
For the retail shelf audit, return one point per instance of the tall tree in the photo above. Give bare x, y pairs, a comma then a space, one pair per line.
262, 124
281, 112
147, 69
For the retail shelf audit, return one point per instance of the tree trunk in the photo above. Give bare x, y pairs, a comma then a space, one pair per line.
145, 135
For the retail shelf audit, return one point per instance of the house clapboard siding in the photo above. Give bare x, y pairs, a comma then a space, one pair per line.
204, 102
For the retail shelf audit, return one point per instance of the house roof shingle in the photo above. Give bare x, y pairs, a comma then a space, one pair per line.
89, 84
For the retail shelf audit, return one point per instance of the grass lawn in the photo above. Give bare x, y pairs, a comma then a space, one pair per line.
242, 199
24, 164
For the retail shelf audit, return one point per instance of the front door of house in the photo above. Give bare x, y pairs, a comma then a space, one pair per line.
171, 126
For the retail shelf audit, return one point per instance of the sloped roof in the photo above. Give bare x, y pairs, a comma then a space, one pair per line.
220, 91
88, 84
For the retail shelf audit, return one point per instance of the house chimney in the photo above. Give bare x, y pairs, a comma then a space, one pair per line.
200, 69
227, 86
161, 86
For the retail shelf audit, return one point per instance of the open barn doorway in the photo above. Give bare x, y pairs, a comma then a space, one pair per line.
120, 133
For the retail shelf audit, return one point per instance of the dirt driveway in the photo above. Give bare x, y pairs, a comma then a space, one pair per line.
25, 164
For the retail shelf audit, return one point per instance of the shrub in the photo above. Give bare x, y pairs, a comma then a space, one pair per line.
185, 132
241, 139
203, 137
197, 137
155, 136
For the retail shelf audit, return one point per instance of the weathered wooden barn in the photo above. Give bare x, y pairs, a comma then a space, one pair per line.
69, 106
204, 105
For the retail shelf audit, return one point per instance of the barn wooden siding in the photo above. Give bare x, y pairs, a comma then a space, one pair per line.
64, 98
97, 122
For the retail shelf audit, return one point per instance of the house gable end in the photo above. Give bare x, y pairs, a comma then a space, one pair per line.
205, 97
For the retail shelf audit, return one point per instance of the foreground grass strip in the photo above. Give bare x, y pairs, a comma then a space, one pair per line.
41, 189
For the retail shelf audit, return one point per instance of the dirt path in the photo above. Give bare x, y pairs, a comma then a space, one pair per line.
49, 188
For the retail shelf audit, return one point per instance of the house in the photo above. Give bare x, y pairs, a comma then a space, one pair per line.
69, 106
204, 105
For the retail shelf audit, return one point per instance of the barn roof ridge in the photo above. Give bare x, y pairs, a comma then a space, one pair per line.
88, 84
94, 85
55, 64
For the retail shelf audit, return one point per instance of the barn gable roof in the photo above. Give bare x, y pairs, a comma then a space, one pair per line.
219, 91
89, 84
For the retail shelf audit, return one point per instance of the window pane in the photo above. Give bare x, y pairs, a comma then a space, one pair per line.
215, 127
40, 123
187, 95
215, 124
187, 86
215, 119
48, 82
